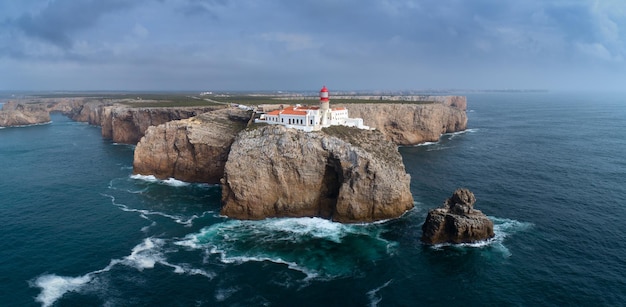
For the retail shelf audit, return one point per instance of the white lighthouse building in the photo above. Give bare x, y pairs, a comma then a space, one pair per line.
312, 118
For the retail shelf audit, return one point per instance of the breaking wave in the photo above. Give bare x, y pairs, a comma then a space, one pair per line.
502, 228
317, 247
452, 135
170, 181
143, 256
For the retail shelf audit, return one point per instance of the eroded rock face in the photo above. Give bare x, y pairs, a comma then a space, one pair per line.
343, 174
457, 221
411, 124
128, 125
192, 150
14, 114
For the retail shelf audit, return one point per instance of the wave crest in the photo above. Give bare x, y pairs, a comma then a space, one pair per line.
314, 246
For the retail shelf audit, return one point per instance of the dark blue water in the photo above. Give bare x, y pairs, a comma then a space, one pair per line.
79, 230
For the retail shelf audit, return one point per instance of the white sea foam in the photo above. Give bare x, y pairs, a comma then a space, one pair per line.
144, 213
310, 274
426, 143
143, 256
148, 178
373, 296
452, 135
54, 287
472, 130
288, 241
175, 183
312, 226
152, 179
502, 228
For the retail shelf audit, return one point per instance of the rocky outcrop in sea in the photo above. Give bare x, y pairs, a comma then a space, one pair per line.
456, 221
340, 173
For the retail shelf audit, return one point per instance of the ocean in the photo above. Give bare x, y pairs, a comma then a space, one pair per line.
78, 229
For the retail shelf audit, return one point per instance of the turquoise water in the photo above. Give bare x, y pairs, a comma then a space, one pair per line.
79, 230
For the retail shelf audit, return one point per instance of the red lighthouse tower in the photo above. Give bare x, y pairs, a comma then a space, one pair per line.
324, 105
324, 94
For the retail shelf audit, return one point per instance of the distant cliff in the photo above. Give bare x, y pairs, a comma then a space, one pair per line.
122, 123
15, 114
411, 123
340, 173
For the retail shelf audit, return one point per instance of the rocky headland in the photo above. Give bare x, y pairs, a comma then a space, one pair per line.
192, 150
456, 221
14, 114
340, 173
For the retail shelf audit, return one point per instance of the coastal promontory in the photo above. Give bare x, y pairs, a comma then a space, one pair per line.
193, 149
340, 173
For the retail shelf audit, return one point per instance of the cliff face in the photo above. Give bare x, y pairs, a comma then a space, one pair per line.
120, 123
127, 125
411, 124
193, 150
340, 173
16, 114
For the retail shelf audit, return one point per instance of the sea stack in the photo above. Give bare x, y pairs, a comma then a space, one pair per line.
457, 221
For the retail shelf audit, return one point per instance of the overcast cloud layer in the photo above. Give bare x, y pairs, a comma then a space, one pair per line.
300, 45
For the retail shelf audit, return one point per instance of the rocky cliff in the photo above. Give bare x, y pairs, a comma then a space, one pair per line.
192, 150
120, 121
22, 115
411, 123
168, 152
127, 125
344, 174
457, 221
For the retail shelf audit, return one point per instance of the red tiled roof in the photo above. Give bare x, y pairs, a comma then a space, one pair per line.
290, 111
293, 112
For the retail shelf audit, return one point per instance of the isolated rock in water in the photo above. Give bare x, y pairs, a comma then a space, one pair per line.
340, 173
457, 221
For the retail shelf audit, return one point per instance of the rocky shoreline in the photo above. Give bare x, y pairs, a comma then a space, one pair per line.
347, 175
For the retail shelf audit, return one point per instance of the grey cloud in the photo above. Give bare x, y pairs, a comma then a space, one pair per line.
56, 22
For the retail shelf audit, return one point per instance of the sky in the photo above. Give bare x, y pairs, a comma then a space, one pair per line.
213, 45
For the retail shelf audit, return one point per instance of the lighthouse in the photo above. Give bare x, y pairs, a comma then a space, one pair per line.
324, 106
